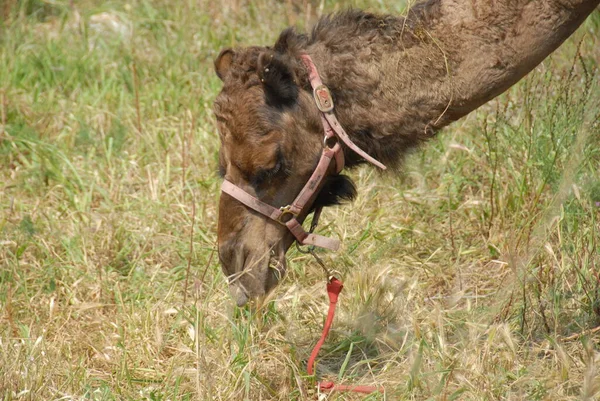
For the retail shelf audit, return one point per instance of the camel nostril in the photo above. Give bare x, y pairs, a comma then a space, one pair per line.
277, 269
276, 274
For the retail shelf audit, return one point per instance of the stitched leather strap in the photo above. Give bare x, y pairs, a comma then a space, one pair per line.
273, 213
250, 201
317, 84
340, 162
305, 238
335, 125
308, 191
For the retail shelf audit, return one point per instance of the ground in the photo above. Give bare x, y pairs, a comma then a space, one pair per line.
471, 275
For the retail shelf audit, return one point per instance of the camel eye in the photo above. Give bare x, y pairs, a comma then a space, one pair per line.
276, 169
262, 176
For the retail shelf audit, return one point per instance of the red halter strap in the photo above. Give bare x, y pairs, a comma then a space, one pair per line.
287, 215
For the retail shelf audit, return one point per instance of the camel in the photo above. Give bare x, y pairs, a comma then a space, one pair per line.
395, 81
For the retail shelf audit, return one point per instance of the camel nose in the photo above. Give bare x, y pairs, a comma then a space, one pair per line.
232, 264
231, 258
246, 269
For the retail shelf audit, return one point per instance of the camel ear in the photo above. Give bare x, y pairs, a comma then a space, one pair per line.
223, 62
277, 79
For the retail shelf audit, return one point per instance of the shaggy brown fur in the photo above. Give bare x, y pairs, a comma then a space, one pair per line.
395, 80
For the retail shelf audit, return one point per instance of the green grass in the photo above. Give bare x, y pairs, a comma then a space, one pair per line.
473, 275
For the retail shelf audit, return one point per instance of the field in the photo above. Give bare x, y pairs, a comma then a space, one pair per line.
473, 274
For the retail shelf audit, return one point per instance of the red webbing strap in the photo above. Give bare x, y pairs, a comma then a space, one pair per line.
334, 287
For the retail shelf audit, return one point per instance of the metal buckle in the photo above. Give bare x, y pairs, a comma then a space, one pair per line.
330, 142
286, 211
323, 98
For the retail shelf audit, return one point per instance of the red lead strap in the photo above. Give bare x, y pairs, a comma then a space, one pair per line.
334, 287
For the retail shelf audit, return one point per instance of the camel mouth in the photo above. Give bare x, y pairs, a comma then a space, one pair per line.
243, 291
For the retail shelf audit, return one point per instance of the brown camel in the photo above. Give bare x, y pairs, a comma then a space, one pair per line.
395, 82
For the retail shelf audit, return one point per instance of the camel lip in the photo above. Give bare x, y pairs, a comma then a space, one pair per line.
276, 266
239, 294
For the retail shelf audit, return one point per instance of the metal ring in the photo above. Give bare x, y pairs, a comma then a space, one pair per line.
285, 211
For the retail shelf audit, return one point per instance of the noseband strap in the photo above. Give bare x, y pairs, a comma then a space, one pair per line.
287, 215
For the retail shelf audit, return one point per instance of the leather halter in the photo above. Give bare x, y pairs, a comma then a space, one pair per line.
287, 215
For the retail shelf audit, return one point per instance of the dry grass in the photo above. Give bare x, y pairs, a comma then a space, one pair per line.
472, 276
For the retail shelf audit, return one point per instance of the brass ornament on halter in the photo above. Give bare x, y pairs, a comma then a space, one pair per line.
323, 98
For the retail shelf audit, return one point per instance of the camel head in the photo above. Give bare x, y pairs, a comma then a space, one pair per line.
395, 82
271, 140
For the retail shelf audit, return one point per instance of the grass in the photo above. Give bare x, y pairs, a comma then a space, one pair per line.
474, 275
